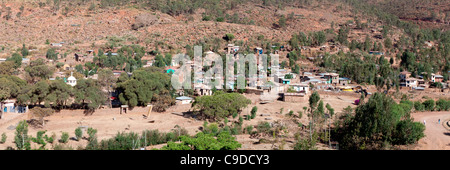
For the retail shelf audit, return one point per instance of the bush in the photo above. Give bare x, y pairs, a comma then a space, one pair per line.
206, 18
408, 132
64, 137
229, 37
92, 133
444, 105
263, 127
300, 114
428, 104
220, 19
291, 113
249, 129
253, 112
21, 139
419, 106
3, 140
78, 133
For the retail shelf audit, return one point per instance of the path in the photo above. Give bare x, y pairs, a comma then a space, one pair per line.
436, 136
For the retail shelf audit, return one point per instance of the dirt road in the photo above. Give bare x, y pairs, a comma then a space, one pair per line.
437, 137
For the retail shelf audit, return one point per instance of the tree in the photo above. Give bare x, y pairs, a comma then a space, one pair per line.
229, 37
429, 104
58, 93
52, 54
343, 35
376, 124
78, 133
319, 38
41, 113
88, 91
159, 61
141, 89
7, 68
106, 80
17, 59
37, 69
24, 51
253, 112
387, 43
282, 21
64, 137
219, 105
408, 132
408, 60
21, 136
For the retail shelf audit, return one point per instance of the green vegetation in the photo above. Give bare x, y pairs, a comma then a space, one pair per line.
64, 137
4, 137
378, 124
21, 139
141, 89
220, 105
201, 141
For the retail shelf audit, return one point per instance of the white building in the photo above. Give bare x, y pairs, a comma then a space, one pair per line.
184, 99
72, 81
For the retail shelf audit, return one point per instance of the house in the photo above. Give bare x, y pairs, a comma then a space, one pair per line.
68, 67
2, 60
344, 81
232, 49
436, 78
258, 50
10, 106
376, 53
25, 60
294, 97
112, 54
332, 78
117, 73
285, 81
301, 88
184, 100
72, 81
170, 69
56, 44
404, 75
411, 82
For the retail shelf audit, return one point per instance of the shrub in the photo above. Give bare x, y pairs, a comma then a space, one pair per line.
291, 113
206, 18
408, 132
50, 139
64, 137
428, 104
21, 139
92, 133
419, 106
78, 133
443, 105
229, 37
253, 112
249, 129
300, 114
263, 127
220, 19
3, 140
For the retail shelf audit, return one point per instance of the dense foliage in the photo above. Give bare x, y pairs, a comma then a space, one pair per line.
220, 105
145, 86
379, 123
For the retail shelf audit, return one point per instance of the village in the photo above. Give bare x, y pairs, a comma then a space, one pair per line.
103, 74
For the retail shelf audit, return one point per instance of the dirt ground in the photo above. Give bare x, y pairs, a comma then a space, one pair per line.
109, 122
437, 136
